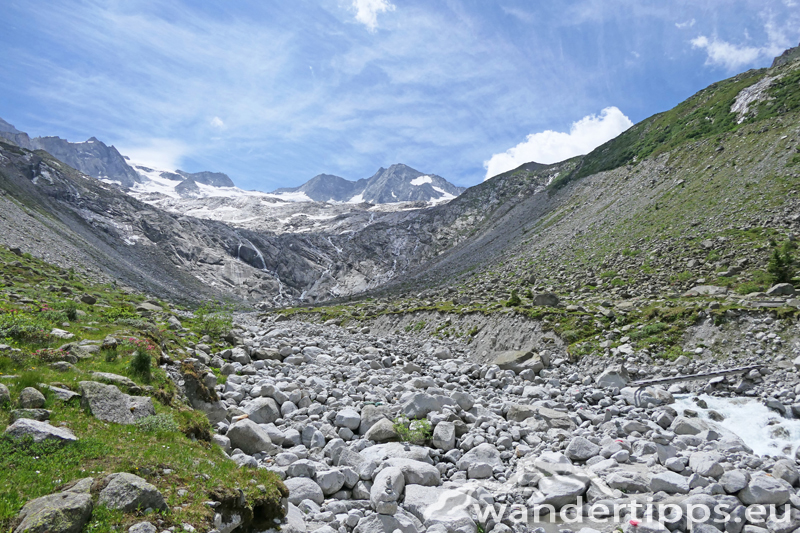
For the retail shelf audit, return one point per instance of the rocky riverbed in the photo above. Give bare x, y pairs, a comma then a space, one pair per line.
336, 413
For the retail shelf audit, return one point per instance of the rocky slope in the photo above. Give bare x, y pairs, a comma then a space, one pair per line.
56, 213
672, 203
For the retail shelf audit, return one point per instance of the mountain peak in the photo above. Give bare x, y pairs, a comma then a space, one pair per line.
787, 56
398, 183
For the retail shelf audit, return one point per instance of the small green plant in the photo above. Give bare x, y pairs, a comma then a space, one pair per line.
141, 364
413, 431
195, 425
115, 314
110, 354
162, 423
514, 301
213, 320
415, 327
529, 294
750, 286
71, 310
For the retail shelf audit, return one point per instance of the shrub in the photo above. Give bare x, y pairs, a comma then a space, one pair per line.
21, 326
141, 364
114, 314
213, 320
162, 423
780, 265
194, 424
50, 355
71, 310
413, 431
514, 301
110, 354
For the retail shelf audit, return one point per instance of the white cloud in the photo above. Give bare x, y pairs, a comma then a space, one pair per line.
726, 54
553, 146
687, 24
734, 57
159, 153
367, 11
216, 122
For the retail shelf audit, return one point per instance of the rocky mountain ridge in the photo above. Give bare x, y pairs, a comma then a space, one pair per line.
398, 183
91, 157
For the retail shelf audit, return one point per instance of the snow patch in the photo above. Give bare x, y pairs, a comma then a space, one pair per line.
297, 196
421, 180
445, 196
357, 199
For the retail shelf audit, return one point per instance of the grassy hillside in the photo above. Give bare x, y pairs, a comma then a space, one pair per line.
171, 450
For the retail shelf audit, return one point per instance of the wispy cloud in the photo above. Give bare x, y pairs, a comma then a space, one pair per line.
217, 122
367, 11
684, 25
733, 56
726, 54
160, 153
552, 146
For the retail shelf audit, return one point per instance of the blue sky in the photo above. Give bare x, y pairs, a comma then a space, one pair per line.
274, 92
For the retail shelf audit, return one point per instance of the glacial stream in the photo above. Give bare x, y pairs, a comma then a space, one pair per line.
763, 430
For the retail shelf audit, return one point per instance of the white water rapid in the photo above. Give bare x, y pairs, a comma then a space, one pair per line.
764, 430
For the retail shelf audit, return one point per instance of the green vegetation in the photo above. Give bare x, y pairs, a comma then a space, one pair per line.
213, 320
413, 431
781, 263
514, 300
171, 450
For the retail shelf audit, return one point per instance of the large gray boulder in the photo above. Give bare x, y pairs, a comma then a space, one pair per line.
63, 512
519, 413
669, 482
250, 437
39, 431
480, 461
734, 480
128, 493
444, 436
302, 488
5, 395
581, 449
519, 360
348, 418
31, 398
382, 431
417, 472
545, 418
764, 490
687, 426
558, 491
706, 464
381, 523
371, 414
786, 470
545, 299
781, 289
614, 376
420, 404
387, 490
263, 410
445, 507
330, 481
108, 403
